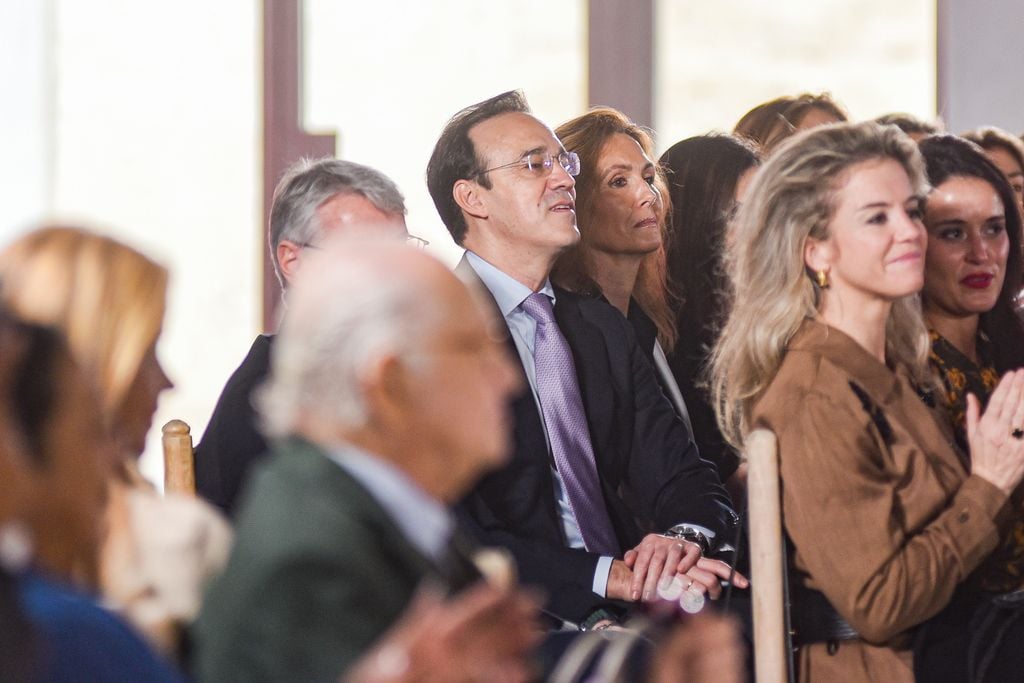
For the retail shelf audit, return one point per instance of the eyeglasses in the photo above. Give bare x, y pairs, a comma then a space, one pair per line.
416, 242
410, 240
541, 163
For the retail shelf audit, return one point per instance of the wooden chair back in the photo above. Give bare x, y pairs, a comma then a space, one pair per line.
179, 459
772, 643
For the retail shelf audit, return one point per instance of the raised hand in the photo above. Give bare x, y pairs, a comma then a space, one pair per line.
996, 438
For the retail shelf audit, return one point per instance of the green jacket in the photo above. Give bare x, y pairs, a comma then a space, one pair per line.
318, 572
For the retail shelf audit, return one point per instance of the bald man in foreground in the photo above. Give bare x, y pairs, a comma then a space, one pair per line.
349, 515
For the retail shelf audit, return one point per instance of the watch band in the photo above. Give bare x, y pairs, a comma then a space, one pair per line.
688, 533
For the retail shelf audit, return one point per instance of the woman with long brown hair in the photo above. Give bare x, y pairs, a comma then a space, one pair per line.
621, 211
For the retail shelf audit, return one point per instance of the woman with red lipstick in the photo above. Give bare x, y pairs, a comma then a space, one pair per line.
108, 302
970, 276
621, 200
825, 346
970, 281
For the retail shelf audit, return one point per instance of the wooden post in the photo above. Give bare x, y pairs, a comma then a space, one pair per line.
764, 512
179, 459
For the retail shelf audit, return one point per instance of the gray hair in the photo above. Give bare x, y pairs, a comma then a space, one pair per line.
346, 310
307, 184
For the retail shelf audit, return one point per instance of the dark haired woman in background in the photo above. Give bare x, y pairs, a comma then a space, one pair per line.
53, 488
17, 637
707, 177
971, 276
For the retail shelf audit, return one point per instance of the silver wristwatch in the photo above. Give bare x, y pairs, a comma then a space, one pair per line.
688, 533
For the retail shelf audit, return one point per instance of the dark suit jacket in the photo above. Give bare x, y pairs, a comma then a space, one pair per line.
318, 572
651, 475
232, 443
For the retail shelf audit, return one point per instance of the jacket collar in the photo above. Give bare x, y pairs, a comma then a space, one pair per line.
820, 339
894, 389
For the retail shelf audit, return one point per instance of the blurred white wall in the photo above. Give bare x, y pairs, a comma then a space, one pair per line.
26, 113
142, 119
387, 75
714, 61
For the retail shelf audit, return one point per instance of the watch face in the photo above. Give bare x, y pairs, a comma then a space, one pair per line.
695, 536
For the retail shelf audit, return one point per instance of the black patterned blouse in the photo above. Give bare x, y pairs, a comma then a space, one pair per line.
1003, 571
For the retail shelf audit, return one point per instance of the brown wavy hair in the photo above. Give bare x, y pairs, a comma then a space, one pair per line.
769, 123
586, 135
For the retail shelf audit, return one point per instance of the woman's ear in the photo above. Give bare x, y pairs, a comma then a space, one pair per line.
470, 199
818, 254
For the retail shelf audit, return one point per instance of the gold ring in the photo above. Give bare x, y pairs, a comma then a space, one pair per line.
1017, 433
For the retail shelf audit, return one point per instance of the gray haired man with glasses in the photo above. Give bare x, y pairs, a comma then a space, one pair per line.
313, 199
605, 497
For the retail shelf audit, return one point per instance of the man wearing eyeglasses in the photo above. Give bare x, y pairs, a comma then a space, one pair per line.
605, 499
314, 199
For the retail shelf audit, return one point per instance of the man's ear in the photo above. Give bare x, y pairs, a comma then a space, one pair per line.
385, 387
470, 199
288, 253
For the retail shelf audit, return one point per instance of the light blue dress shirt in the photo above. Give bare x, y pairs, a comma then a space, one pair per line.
425, 522
509, 294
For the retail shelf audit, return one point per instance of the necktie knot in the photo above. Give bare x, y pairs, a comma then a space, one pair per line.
538, 307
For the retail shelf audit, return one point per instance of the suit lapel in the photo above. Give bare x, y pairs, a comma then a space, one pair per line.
590, 356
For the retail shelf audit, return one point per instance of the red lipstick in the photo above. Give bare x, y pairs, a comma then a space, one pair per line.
978, 280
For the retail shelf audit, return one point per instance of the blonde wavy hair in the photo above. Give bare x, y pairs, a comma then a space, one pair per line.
586, 135
107, 299
793, 198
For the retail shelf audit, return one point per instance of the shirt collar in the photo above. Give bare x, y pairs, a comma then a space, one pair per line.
426, 523
508, 292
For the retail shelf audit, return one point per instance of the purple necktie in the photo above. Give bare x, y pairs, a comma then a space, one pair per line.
567, 428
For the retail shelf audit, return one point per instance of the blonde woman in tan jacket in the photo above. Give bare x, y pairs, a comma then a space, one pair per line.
108, 301
825, 346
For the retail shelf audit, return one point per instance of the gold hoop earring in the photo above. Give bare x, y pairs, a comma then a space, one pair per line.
822, 278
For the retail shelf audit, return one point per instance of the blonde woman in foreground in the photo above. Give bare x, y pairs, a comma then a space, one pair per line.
108, 301
825, 346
